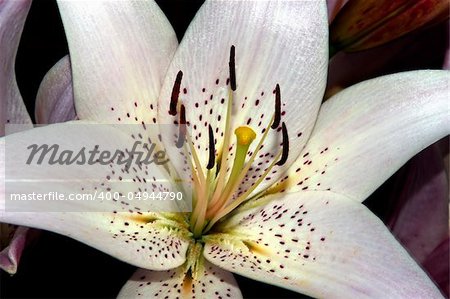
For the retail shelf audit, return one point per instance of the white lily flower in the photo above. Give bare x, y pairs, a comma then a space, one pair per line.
288, 213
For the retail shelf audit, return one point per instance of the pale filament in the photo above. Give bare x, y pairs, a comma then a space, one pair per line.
214, 193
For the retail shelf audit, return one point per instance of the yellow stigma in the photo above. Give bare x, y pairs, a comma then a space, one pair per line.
244, 135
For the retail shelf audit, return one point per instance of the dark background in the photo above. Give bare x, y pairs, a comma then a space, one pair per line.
55, 266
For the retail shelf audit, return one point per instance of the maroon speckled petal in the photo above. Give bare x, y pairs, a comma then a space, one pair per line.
320, 244
176, 283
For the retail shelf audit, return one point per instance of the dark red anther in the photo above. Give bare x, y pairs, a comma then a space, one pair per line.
277, 119
182, 127
175, 94
285, 154
212, 149
232, 66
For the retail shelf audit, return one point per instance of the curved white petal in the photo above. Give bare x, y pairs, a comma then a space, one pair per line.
276, 42
12, 20
320, 244
119, 52
366, 132
107, 217
176, 283
54, 100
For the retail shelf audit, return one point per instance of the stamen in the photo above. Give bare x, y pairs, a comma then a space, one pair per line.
182, 127
215, 197
232, 66
225, 147
277, 119
244, 136
212, 150
198, 165
226, 140
175, 94
226, 209
228, 195
285, 154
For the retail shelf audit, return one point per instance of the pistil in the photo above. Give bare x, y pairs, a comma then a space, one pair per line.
244, 137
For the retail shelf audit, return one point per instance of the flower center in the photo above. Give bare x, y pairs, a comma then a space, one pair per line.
215, 184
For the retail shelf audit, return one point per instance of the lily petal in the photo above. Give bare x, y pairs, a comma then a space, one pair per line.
420, 218
361, 25
437, 265
366, 132
54, 100
281, 43
446, 64
10, 255
129, 230
119, 52
12, 20
176, 283
306, 241
334, 6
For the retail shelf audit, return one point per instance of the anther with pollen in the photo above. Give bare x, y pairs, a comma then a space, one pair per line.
182, 127
212, 149
285, 153
277, 116
175, 94
232, 66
